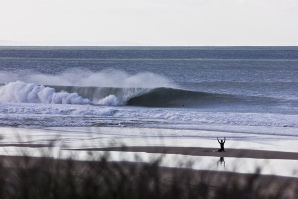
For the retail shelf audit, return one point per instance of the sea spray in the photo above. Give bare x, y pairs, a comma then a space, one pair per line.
110, 100
82, 77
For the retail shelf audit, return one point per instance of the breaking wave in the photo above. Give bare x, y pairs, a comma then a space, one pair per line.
20, 92
150, 97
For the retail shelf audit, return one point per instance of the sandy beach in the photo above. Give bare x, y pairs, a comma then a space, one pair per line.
214, 177
280, 155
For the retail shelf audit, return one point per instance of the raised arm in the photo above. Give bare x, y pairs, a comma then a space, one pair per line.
224, 139
218, 140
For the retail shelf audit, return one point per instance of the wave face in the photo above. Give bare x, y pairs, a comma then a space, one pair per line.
169, 97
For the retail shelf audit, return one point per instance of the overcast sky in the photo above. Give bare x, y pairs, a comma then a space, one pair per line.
149, 22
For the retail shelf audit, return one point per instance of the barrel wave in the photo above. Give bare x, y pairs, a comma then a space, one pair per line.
155, 97
20, 92
169, 97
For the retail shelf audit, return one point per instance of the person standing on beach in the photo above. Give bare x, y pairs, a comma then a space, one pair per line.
222, 143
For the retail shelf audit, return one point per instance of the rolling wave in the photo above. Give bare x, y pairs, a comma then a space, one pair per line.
20, 92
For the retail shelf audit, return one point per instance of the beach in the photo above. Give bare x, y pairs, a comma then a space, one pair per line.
268, 163
215, 173
276, 156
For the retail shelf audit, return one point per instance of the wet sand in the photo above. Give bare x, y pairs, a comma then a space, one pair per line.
167, 173
197, 151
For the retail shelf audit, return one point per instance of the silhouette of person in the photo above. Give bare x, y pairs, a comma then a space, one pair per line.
222, 144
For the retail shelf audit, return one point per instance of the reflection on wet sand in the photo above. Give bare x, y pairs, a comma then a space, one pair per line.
221, 162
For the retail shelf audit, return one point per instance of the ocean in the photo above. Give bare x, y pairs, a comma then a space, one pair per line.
233, 90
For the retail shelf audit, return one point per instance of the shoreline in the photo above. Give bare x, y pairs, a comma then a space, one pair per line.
191, 151
279, 158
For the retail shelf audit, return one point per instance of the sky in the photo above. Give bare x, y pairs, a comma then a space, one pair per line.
149, 22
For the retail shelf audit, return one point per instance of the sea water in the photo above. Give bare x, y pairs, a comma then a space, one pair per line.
229, 88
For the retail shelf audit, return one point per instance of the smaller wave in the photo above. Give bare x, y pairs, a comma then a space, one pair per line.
110, 100
20, 92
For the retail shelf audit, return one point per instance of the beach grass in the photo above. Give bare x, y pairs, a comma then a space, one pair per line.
54, 178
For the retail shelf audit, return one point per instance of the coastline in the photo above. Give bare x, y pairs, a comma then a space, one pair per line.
216, 177
67, 141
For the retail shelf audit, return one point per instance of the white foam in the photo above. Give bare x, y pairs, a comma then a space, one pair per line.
110, 100
30, 114
20, 92
54, 109
103, 97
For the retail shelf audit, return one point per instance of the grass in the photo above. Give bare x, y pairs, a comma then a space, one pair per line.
26, 177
